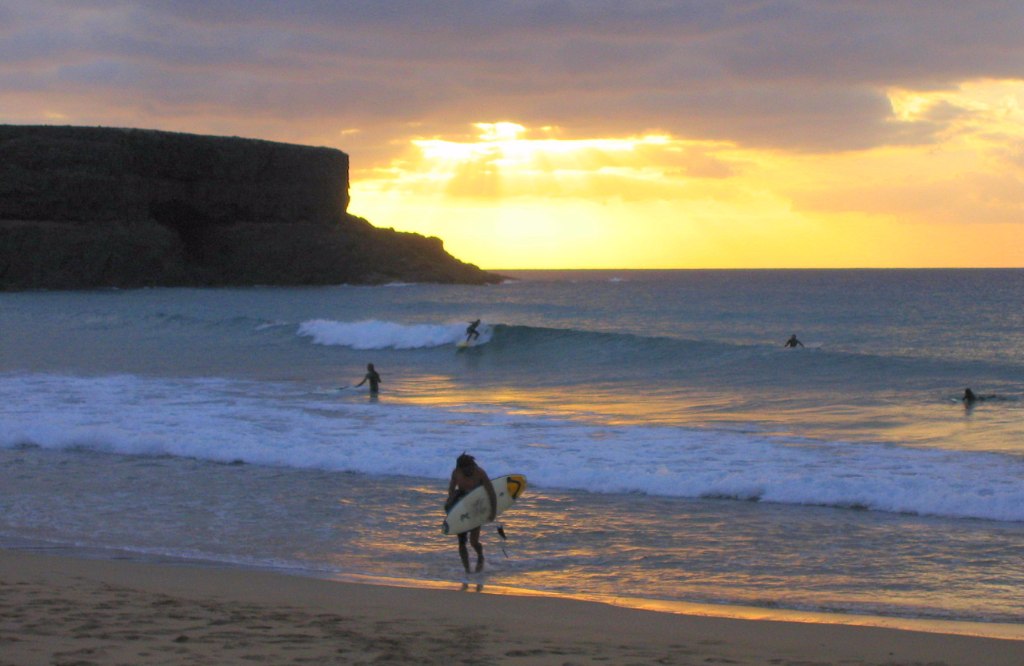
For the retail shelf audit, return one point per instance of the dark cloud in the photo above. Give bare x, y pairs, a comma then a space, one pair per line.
797, 75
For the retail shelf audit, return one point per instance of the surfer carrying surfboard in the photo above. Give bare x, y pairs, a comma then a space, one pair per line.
468, 476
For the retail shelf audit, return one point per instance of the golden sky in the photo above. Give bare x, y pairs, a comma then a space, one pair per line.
587, 135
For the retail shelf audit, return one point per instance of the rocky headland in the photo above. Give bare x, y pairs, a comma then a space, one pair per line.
88, 207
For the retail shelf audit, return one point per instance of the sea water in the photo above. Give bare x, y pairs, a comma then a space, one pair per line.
675, 450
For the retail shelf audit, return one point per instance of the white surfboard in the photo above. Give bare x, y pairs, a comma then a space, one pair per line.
473, 510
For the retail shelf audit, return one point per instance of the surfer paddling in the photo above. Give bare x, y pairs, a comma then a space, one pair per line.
970, 397
467, 476
793, 343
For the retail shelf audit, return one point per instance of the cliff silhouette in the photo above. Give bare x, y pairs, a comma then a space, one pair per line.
86, 207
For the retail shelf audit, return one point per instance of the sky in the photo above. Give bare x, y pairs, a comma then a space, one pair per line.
586, 133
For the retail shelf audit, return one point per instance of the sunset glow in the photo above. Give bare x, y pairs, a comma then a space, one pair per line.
671, 137
516, 197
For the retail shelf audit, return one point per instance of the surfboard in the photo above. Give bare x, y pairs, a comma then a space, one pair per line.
463, 344
473, 510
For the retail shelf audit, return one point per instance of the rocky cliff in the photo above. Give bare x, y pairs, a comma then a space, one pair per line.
84, 207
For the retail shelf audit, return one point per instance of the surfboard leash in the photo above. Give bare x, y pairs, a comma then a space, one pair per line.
501, 533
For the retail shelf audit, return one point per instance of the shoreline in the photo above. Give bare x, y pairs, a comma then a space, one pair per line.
994, 630
125, 611
974, 628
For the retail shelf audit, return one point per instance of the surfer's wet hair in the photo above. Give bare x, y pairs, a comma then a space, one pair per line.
465, 460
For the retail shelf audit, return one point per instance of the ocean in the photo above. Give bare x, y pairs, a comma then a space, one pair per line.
676, 452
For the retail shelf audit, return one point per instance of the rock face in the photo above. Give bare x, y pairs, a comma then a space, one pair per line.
84, 207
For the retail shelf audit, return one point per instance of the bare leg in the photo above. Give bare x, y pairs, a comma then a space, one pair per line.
463, 551
474, 539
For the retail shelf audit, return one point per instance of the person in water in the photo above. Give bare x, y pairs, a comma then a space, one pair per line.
471, 332
466, 477
793, 342
970, 397
372, 377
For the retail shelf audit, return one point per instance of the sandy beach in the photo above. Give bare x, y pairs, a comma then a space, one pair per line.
62, 610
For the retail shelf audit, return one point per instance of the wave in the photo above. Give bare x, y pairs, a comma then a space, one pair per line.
373, 334
530, 341
281, 425
586, 355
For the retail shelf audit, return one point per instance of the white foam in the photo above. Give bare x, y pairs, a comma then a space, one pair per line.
373, 334
279, 425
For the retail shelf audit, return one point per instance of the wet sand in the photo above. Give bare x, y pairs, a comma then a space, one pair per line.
74, 611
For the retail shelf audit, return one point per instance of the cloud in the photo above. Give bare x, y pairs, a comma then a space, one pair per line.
803, 76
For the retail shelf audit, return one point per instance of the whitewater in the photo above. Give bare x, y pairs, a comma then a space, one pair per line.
675, 451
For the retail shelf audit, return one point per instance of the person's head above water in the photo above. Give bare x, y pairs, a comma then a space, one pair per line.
465, 462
